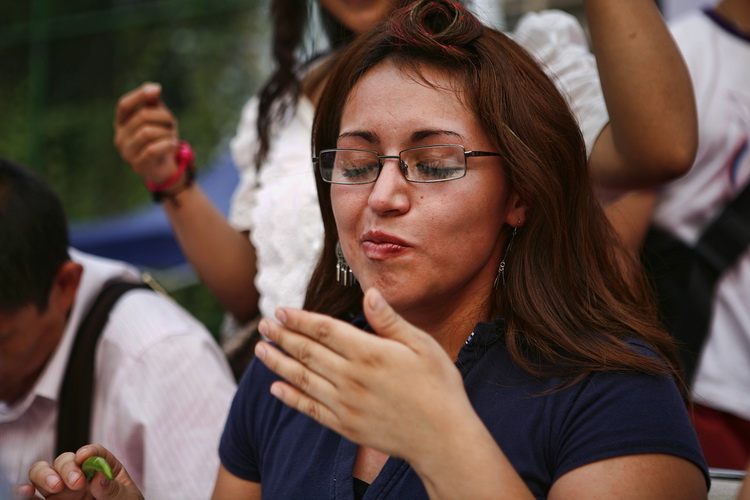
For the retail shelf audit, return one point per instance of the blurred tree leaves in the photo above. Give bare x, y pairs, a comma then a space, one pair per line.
63, 65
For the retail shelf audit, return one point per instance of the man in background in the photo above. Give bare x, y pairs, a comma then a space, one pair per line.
162, 386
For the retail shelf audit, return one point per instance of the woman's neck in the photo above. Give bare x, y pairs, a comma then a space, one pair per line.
450, 326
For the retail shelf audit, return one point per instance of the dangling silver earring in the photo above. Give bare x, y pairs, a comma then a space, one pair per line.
501, 270
344, 274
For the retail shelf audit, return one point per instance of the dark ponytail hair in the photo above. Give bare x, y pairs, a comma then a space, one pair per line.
281, 91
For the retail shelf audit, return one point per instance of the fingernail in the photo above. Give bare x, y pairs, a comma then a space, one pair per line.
85, 450
281, 315
51, 481
260, 350
263, 327
152, 88
73, 476
103, 481
276, 390
376, 301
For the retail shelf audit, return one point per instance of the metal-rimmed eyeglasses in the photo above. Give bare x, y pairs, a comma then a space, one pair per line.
438, 163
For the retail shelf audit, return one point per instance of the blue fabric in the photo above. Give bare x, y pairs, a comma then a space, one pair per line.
143, 237
544, 436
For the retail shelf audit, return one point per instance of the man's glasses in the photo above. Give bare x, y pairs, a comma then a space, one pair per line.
439, 163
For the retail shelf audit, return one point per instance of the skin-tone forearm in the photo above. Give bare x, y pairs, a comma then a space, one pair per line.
222, 257
631, 217
652, 135
228, 487
146, 136
465, 462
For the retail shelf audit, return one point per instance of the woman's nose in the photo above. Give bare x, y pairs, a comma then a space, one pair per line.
390, 192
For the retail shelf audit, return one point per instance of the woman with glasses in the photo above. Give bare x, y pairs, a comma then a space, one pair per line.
647, 137
487, 344
468, 332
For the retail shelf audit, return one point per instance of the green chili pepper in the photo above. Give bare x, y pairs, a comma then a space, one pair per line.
93, 464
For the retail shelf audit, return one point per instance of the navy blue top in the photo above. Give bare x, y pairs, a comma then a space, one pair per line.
544, 436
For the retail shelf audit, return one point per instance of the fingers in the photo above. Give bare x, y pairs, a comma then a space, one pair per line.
146, 125
310, 350
48, 480
65, 479
307, 391
146, 133
103, 489
338, 336
318, 385
97, 450
122, 488
148, 93
70, 471
303, 403
23, 491
388, 323
381, 317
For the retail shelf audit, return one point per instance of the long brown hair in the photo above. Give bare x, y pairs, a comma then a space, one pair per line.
568, 308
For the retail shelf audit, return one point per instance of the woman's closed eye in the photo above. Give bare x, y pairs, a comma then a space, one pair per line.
358, 170
436, 169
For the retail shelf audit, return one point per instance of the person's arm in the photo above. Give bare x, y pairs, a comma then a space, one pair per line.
631, 216
652, 135
146, 137
229, 487
633, 477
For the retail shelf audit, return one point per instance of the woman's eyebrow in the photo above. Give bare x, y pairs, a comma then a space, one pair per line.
367, 136
420, 135
417, 136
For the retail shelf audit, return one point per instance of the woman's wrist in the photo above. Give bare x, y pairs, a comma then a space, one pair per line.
469, 462
180, 180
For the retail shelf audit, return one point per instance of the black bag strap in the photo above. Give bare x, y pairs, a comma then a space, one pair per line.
728, 236
74, 417
686, 277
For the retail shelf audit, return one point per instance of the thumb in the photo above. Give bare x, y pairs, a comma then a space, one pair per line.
383, 319
152, 92
103, 489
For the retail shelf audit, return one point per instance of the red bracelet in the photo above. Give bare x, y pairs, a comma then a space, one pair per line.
184, 157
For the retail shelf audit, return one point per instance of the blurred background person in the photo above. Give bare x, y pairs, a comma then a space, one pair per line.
698, 243
161, 385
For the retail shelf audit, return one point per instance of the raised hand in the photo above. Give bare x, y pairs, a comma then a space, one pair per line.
146, 133
397, 392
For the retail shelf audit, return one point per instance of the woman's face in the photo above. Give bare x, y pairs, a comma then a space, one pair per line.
423, 246
358, 15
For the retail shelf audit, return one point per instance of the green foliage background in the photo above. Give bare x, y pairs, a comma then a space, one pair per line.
63, 65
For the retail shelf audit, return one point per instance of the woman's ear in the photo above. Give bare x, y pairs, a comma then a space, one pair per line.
516, 211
